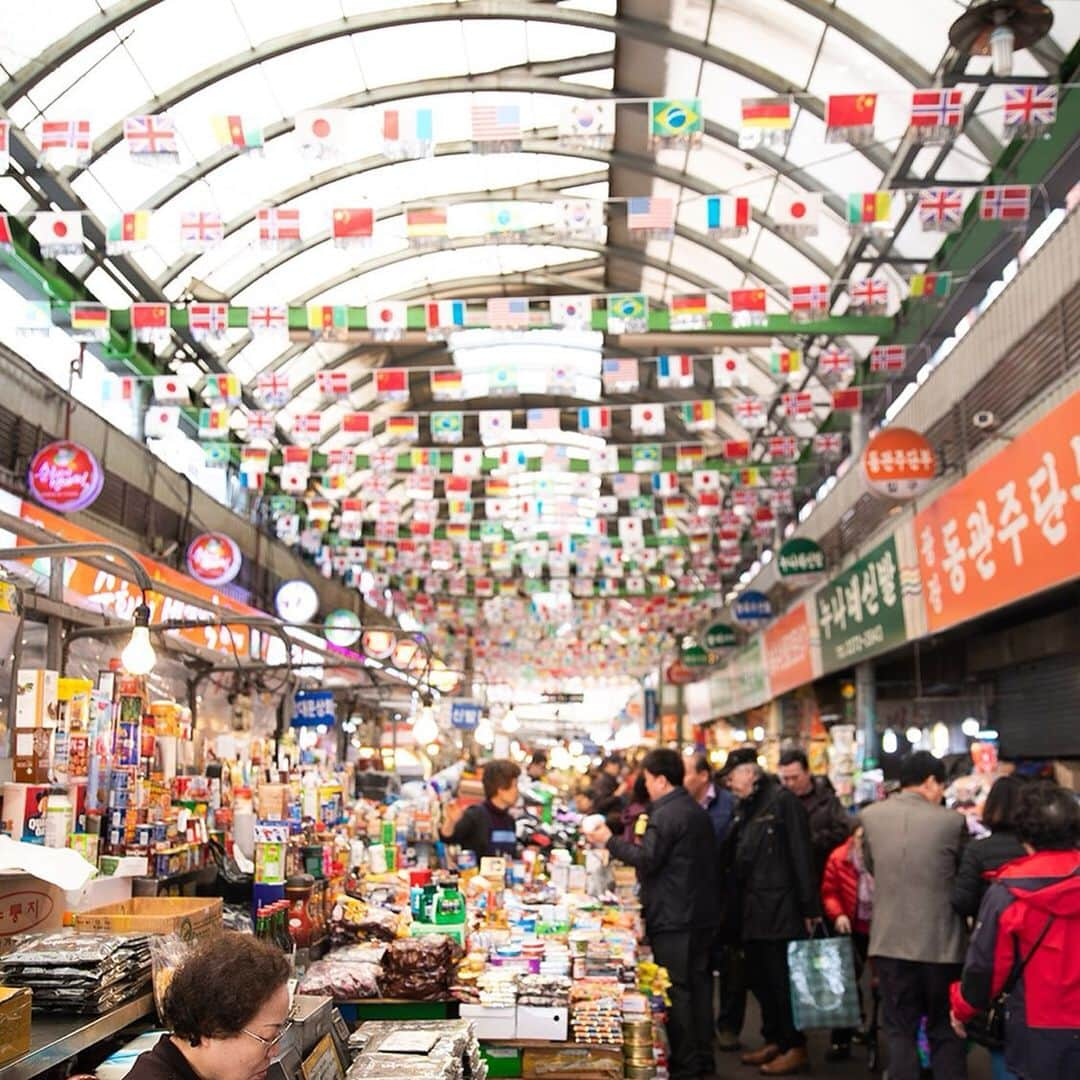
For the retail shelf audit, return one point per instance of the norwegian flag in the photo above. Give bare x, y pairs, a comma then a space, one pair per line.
797, 404
268, 319
834, 361
332, 383
151, 137
750, 412
341, 460
829, 444
941, 209
1029, 110
200, 230
784, 476
1011, 202
279, 226
869, 293
809, 300
937, 114
783, 446
65, 141
888, 358
272, 388
208, 320
261, 425
307, 426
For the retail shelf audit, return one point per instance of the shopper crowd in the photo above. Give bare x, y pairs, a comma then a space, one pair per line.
954, 939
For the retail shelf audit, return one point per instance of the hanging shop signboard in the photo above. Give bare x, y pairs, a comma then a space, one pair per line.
752, 607
65, 477
1007, 530
800, 558
860, 612
342, 627
465, 715
378, 643
899, 462
213, 559
694, 657
719, 636
313, 707
789, 658
296, 601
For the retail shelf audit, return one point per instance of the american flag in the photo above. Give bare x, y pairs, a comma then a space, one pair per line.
307, 425
278, 224
261, 425
643, 212
65, 135
1030, 107
150, 135
783, 445
888, 357
542, 419
1009, 203
937, 108
508, 311
332, 383
208, 320
200, 228
496, 123
940, 209
273, 388
750, 411
784, 476
797, 403
268, 318
809, 297
834, 361
829, 444
620, 375
869, 292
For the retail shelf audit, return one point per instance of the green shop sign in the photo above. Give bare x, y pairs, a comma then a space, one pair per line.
860, 613
800, 557
719, 636
695, 656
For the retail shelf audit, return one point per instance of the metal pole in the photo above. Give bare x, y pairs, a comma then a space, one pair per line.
866, 712
54, 625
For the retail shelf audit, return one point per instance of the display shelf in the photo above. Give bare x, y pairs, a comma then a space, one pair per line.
545, 1044
54, 1039
355, 1012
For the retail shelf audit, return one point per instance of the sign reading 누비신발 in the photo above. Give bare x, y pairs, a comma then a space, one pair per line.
860, 612
1010, 528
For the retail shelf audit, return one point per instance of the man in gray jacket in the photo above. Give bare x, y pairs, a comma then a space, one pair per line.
917, 940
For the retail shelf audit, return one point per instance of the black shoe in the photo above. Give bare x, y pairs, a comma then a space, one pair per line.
838, 1052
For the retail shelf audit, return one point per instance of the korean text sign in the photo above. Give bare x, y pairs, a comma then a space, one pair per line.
1007, 530
860, 612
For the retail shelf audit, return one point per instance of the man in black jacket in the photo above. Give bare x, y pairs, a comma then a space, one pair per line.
676, 863
830, 823
778, 894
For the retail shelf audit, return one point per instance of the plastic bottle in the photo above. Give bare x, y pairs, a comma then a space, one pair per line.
58, 810
309, 796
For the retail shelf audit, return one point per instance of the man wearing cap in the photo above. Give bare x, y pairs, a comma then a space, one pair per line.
778, 902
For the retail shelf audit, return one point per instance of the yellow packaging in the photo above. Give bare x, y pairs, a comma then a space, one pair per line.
14, 1022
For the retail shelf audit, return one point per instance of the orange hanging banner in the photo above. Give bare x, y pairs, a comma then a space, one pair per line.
1008, 530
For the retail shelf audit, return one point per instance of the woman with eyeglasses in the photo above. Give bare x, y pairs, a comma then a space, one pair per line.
227, 1010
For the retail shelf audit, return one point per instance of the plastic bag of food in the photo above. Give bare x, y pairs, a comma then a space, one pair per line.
341, 981
167, 953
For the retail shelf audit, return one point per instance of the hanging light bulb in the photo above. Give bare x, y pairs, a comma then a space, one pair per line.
138, 656
889, 742
425, 729
1002, 42
485, 733
510, 722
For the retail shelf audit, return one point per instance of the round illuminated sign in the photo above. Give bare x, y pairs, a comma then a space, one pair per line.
65, 476
800, 557
752, 606
342, 627
296, 601
899, 462
213, 559
378, 643
719, 636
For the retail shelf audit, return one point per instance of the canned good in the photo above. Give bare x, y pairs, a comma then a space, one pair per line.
160, 832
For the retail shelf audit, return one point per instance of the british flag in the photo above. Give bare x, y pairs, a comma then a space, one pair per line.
201, 229
809, 299
1029, 110
268, 319
783, 446
150, 136
870, 293
332, 383
941, 209
784, 476
208, 320
888, 358
834, 361
937, 113
798, 403
829, 444
278, 225
1011, 202
272, 388
261, 425
750, 412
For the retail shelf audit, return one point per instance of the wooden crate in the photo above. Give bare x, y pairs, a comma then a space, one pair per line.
190, 917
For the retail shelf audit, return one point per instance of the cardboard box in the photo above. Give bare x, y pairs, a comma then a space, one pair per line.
14, 1022
36, 698
33, 754
28, 903
24, 812
491, 1023
572, 1060
190, 917
542, 1022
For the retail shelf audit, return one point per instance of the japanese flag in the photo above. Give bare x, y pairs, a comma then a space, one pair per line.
467, 461
706, 480
802, 211
631, 532
730, 369
322, 132
170, 388
647, 419
161, 420
390, 315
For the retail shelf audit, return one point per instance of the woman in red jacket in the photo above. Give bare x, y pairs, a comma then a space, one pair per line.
847, 897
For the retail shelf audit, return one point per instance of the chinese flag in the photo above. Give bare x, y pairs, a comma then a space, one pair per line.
851, 110
357, 423
747, 299
353, 223
147, 316
736, 449
849, 399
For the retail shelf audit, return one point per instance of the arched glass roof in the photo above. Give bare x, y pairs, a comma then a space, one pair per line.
269, 62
